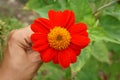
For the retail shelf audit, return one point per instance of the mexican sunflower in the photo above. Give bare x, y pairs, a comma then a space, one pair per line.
59, 38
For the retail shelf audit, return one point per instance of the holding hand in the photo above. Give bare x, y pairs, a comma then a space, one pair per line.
19, 62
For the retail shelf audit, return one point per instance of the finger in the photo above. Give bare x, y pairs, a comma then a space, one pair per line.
34, 56
27, 31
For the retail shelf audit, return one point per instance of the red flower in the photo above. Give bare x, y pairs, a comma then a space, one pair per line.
59, 38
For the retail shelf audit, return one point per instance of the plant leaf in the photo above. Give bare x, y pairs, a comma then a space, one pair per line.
81, 60
100, 51
81, 8
111, 25
99, 34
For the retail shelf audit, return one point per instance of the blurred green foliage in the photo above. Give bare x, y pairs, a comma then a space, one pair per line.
101, 59
6, 25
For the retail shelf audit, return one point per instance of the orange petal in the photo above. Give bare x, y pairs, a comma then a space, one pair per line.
48, 55
55, 17
78, 52
63, 19
40, 45
68, 19
72, 55
81, 41
38, 36
36, 28
45, 23
41, 25
79, 28
55, 59
64, 58
76, 48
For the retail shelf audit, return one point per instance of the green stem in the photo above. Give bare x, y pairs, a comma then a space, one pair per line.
104, 6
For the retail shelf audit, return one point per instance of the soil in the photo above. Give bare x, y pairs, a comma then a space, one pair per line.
15, 8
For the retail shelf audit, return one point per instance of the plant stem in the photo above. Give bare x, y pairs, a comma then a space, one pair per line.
104, 6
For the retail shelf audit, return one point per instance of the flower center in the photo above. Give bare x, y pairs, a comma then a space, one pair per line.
59, 38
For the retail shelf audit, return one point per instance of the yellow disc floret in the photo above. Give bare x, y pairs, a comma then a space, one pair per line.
59, 38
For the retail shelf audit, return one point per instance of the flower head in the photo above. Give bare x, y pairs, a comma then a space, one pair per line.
59, 38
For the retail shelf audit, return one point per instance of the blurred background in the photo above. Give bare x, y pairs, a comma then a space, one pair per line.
99, 61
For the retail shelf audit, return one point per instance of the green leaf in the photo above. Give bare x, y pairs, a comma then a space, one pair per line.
63, 4
43, 6
89, 20
99, 34
100, 51
81, 60
114, 47
68, 73
49, 71
113, 10
111, 25
113, 69
81, 8
43, 12
36, 4
97, 3
89, 71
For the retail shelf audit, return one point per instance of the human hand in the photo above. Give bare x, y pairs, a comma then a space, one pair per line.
19, 62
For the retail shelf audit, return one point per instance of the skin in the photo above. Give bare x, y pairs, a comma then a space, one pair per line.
19, 62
